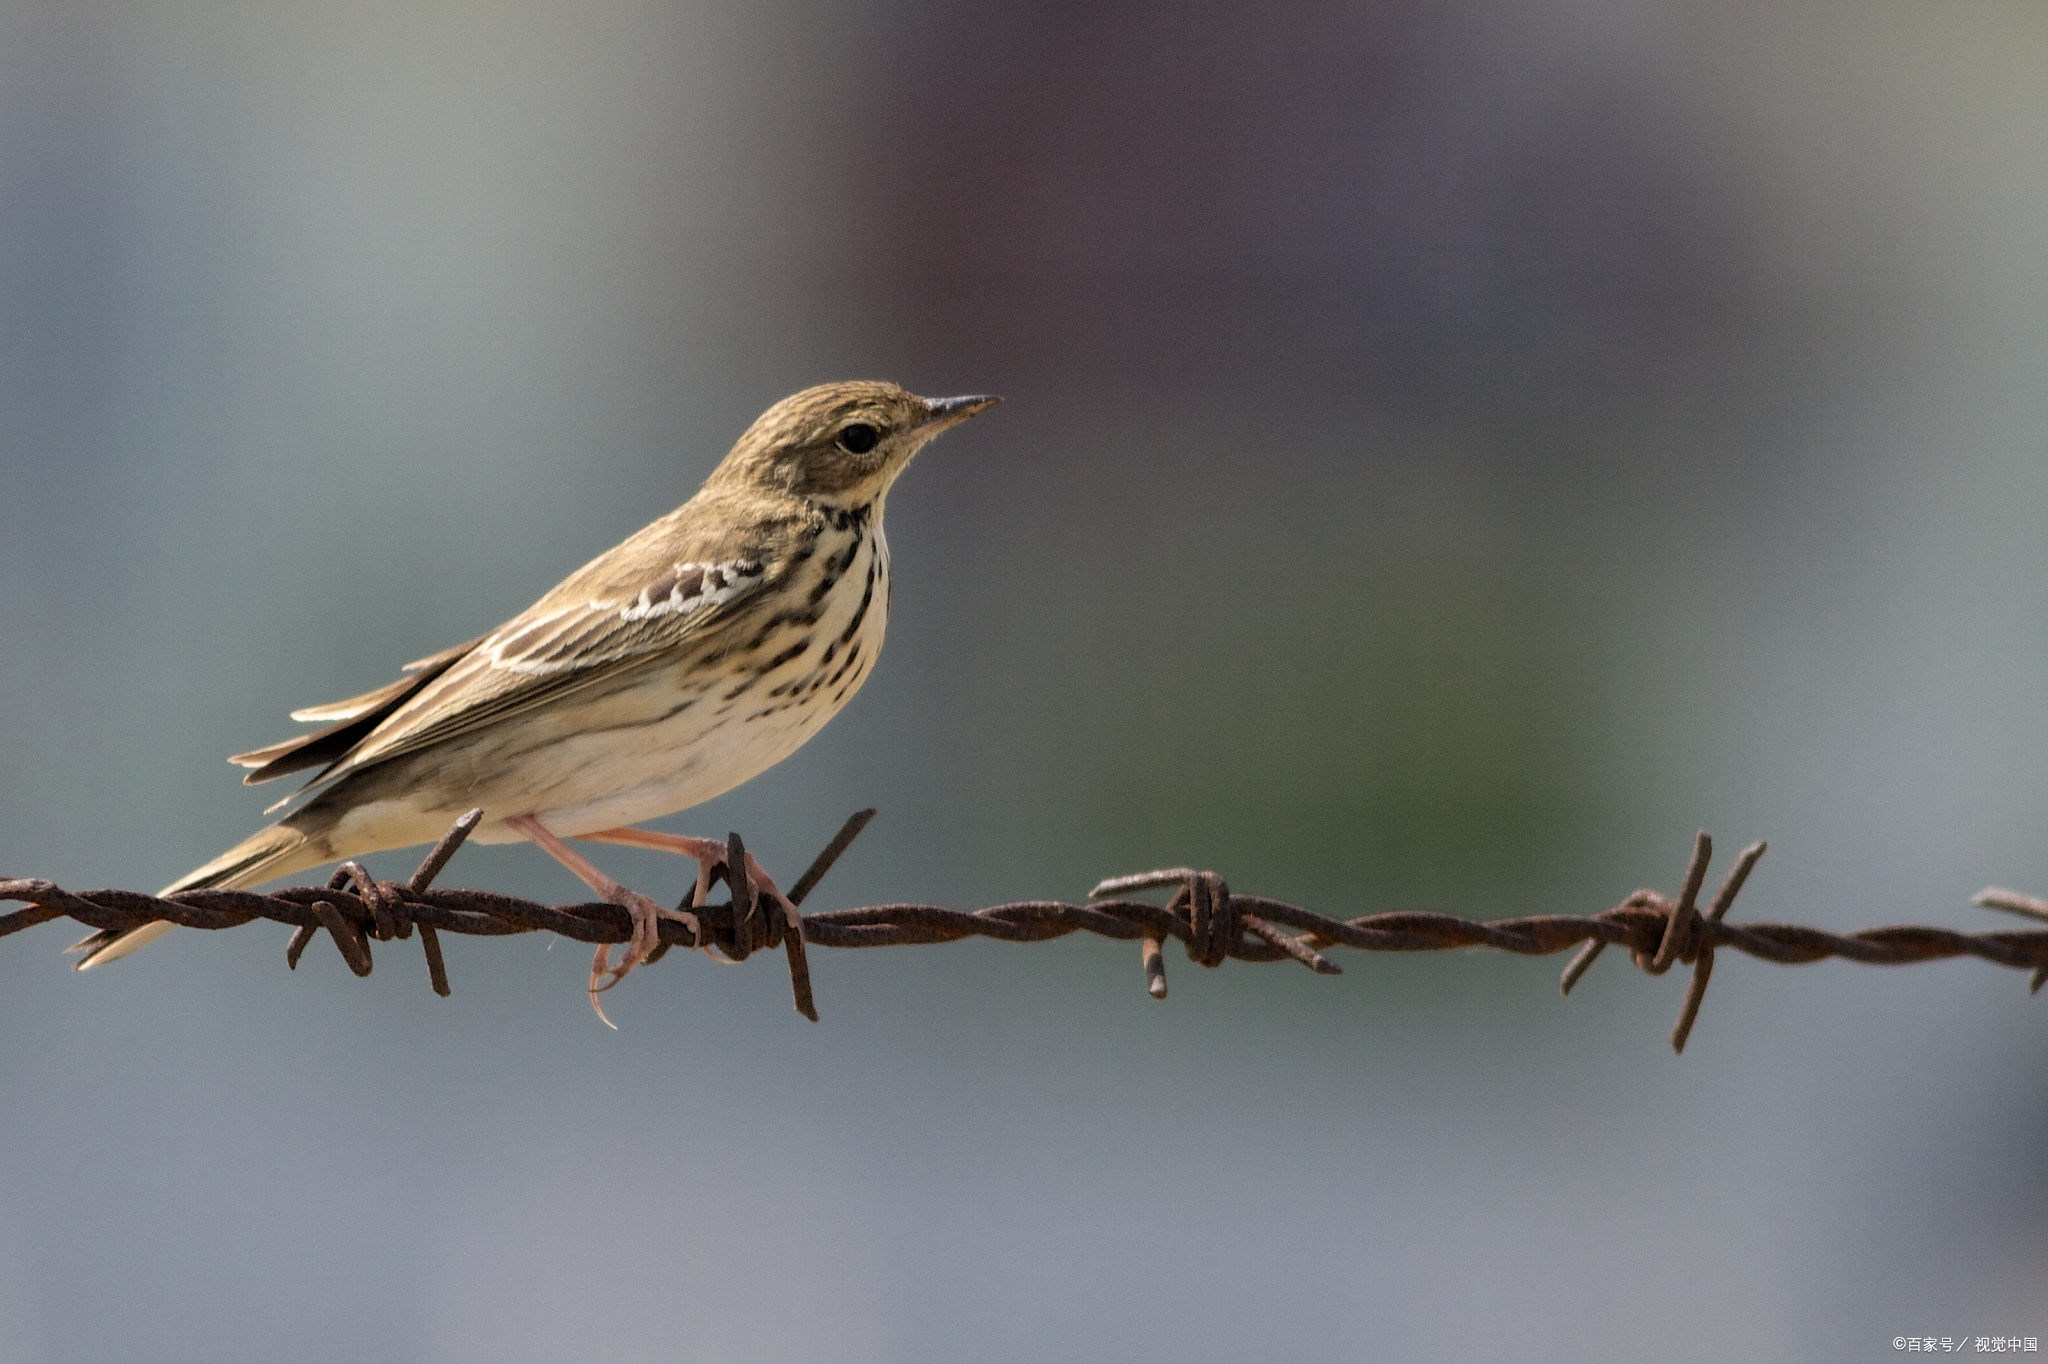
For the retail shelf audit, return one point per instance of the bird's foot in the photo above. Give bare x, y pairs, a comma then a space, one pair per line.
764, 884
646, 914
712, 858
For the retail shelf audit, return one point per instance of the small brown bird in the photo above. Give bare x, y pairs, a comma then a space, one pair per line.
695, 655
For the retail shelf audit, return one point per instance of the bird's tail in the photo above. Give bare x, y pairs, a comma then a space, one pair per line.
264, 855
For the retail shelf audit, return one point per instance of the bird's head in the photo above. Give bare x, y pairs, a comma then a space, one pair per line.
841, 445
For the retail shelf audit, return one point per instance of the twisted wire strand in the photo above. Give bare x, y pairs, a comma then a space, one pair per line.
1214, 923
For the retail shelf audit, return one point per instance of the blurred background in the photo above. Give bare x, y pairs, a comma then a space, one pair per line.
1453, 452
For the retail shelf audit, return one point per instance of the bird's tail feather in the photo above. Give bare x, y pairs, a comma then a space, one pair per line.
276, 851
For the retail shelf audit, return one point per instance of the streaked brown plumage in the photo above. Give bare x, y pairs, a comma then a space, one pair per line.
700, 651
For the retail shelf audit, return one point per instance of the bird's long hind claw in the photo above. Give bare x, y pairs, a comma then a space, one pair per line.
647, 917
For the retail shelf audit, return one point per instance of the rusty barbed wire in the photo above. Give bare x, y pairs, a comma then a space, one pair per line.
1214, 923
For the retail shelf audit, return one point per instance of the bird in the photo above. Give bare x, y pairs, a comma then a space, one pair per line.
689, 658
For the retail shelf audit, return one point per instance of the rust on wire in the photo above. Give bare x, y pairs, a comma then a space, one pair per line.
1203, 913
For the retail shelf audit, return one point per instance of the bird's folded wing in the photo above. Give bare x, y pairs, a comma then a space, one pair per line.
604, 618
353, 719
384, 699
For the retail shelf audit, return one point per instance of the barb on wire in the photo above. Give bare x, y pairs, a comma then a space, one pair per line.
1213, 922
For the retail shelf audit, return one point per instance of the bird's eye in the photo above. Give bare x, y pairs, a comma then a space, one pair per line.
858, 438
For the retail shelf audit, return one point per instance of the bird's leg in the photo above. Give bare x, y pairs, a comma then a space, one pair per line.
710, 854
646, 913
703, 849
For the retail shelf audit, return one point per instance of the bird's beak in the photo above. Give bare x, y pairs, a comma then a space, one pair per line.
947, 412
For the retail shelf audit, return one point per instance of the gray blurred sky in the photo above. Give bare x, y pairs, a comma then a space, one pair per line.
1453, 452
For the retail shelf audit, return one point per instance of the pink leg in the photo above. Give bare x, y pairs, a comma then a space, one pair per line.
703, 849
646, 913
709, 853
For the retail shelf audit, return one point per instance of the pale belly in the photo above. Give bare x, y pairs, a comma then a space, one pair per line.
655, 743
630, 775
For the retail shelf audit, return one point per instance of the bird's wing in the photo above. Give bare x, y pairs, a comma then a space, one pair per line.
421, 671
353, 719
659, 590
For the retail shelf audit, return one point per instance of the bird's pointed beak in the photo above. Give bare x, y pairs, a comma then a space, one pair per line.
947, 412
